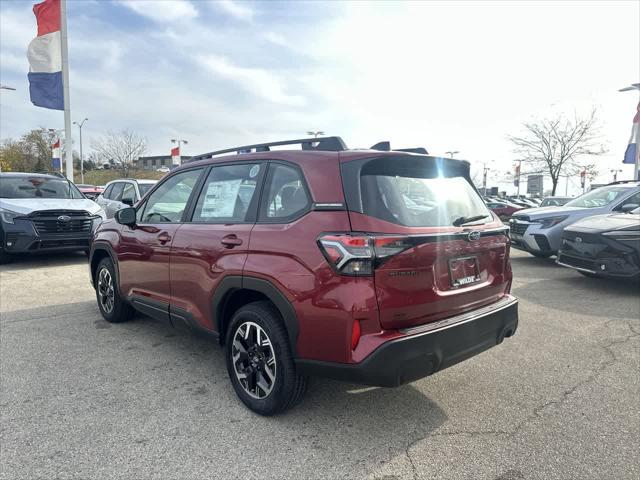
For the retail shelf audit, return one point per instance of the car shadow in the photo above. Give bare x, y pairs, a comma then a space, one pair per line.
361, 426
177, 382
28, 262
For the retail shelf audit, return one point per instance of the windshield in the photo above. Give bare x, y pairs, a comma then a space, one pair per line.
144, 188
415, 196
599, 197
37, 187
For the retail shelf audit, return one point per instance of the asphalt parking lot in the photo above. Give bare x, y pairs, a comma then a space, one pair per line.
81, 398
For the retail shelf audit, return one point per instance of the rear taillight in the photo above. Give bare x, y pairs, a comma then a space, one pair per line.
353, 254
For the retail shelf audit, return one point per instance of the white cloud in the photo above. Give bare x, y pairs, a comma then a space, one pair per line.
276, 39
256, 81
165, 11
236, 9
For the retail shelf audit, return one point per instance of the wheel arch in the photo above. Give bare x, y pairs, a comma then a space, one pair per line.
99, 251
236, 291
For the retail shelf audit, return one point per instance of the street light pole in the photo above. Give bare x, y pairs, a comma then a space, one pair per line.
451, 153
81, 157
315, 133
485, 170
615, 174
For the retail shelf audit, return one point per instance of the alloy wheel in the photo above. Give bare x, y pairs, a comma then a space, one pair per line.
254, 360
106, 292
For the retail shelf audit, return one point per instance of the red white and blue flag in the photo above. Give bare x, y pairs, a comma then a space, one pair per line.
631, 154
175, 156
55, 155
45, 58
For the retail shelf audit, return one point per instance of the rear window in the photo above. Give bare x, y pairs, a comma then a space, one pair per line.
416, 193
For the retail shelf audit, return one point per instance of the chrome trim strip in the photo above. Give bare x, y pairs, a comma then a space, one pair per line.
576, 268
501, 304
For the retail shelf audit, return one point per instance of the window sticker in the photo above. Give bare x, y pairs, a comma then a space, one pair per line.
254, 171
220, 199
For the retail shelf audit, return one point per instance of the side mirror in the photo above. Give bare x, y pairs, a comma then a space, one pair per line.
128, 201
126, 216
627, 207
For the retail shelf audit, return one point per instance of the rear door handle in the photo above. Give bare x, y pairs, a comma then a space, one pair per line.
231, 241
164, 237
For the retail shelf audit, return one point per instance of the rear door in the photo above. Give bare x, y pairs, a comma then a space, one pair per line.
429, 264
214, 243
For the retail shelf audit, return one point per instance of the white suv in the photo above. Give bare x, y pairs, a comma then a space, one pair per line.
123, 193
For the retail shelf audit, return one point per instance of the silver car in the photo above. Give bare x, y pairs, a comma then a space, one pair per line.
539, 230
123, 193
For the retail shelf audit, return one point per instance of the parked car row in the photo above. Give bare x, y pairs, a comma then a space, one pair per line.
597, 233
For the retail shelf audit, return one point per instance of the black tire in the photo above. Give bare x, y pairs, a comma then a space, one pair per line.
589, 274
117, 310
541, 255
287, 389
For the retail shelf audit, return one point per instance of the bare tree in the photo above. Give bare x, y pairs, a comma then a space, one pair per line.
559, 146
120, 148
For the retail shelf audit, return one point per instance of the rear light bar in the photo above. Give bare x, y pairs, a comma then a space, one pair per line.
359, 254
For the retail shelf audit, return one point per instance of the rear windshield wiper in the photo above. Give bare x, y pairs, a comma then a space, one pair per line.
462, 220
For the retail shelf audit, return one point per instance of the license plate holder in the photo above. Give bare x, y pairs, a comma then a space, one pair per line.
464, 271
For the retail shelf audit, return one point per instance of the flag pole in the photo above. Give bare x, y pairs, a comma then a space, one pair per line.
68, 146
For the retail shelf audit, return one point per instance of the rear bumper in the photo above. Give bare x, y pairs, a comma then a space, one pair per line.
422, 353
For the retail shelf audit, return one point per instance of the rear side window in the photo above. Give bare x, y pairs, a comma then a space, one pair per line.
416, 192
227, 194
285, 197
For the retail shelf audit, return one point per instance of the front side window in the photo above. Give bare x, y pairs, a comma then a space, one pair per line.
168, 202
107, 193
227, 194
144, 188
116, 191
599, 197
129, 193
37, 187
632, 200
285, 196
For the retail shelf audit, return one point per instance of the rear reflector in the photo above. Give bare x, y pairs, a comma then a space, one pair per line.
355, 334
357, 255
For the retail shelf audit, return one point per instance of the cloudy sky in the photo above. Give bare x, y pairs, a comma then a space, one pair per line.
447, 76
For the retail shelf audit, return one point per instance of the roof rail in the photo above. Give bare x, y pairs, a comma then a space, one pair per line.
623, 181
323, 144
386, 147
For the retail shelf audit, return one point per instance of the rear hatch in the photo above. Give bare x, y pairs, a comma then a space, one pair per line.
437, 249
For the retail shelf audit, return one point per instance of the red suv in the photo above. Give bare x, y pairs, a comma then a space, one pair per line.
373, 266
